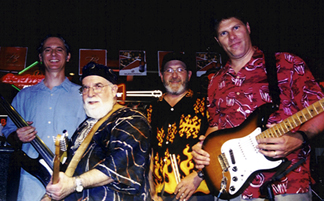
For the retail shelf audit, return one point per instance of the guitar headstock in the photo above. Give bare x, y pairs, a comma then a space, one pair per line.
60, 144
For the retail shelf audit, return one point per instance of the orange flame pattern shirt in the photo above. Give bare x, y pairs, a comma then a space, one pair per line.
175, 130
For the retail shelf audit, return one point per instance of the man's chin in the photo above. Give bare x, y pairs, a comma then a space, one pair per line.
98, 112
175, 90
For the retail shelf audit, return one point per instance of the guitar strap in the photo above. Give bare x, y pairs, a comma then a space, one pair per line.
84, 145
271, 67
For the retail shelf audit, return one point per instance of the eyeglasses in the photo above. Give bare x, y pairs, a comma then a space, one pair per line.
178, 70
96, 88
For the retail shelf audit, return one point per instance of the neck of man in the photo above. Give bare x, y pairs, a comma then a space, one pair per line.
238, 63
173, 99
53, 79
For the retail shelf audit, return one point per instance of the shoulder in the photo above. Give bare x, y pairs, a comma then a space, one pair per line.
128, 113
70, 85
129, 119
288, 57
29, 91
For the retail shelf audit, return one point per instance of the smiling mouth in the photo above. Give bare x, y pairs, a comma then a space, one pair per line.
235, 44
92, 102
54, 60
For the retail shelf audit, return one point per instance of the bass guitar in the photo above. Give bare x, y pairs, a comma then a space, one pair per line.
40, 167
234, 158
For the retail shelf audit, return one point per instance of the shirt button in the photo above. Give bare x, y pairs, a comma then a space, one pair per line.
164, 159
49, 122
51, 94
172, 109
169, 125
50, 108
237, 93
167, 142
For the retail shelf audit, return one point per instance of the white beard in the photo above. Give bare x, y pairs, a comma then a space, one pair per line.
180, 90
98, 111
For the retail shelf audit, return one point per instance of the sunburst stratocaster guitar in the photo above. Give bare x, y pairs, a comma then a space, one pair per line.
234, 158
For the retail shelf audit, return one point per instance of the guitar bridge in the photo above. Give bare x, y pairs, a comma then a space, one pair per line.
223, 162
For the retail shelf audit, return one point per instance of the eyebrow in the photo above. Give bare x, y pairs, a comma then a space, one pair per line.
49, 47
98, 83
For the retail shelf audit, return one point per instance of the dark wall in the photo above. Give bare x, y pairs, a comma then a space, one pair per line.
295, 26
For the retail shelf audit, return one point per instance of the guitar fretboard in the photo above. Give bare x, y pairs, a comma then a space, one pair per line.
293, 121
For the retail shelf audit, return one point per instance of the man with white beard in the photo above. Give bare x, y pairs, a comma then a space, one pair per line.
114, 165
177, 119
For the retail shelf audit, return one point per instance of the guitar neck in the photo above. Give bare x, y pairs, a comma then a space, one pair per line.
37, 143
293, 121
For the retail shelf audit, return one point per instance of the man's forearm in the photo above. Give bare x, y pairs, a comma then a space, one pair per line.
94, 178
314, 126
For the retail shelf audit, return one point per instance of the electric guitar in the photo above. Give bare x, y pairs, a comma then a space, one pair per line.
234, 158
40, 167
60, 148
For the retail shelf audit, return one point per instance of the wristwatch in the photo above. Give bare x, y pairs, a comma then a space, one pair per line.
78, 182
305, 138
200, 174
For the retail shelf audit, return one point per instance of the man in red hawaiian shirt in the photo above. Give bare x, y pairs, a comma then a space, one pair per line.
241, 86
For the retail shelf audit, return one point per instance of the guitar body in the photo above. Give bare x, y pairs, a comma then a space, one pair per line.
33, 166
234, 158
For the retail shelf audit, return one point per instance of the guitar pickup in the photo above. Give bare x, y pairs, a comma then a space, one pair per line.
232, 156
223, 162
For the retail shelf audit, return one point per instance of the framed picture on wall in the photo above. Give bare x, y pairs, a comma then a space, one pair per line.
98, 56
132, 62
207, 61
13, 58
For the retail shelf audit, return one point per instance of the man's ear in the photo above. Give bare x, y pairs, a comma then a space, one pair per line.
161, 76
189, 75
248, 27
40, 57
217, 41
114, 89
68, 57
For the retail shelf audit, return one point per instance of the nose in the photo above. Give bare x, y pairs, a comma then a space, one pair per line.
53, 53
91, 93
232, 35
174, 73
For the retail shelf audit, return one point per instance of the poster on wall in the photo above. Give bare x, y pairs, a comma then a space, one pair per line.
207, 61
98, 56
13, 58
132, 62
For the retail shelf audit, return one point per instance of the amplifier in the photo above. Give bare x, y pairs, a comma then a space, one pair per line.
9, 175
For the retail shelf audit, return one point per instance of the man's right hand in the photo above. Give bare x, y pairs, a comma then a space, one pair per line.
27, 133
200, 156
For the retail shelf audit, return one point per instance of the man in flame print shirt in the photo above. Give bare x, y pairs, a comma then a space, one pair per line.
177, 118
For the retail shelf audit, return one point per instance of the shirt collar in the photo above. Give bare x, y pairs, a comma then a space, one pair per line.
66, 85
257, 54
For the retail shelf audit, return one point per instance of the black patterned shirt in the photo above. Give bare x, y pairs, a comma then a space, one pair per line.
120, 149
174, 131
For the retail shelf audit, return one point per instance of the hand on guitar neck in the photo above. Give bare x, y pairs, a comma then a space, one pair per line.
231, 157
22, 135
60, 148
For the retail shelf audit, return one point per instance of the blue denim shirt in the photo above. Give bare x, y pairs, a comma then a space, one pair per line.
51, 111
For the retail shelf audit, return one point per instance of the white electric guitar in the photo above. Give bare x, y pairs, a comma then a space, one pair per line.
234, 158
